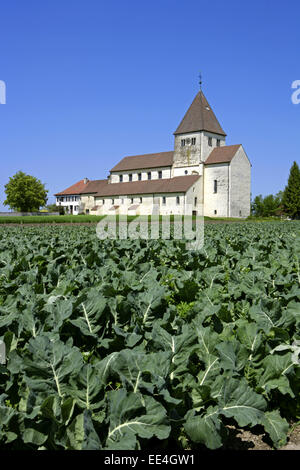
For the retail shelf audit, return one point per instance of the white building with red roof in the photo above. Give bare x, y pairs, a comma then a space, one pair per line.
202, 175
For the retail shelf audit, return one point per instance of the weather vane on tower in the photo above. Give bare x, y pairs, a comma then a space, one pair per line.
200, 81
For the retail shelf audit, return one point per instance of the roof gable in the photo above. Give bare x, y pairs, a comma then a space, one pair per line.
199, 117
223, 154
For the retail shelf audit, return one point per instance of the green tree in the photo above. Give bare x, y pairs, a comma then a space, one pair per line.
291, 194
25, 193
52, 208
267, 206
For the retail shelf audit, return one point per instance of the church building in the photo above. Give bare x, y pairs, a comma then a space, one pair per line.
202, 176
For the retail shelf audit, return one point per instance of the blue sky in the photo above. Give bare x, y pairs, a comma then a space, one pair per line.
89, 82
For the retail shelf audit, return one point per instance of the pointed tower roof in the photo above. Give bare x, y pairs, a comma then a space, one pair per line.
199, 117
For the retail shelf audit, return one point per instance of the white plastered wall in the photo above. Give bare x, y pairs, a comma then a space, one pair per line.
218, 201
115, 176
240, 184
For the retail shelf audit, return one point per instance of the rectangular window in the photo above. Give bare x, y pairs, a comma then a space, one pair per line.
193, 140
131, 200
182, 142
215, 186
195, 201
160, 174
141, 199
130, 177
140, 176
164, 200
177, 200
149, 175
121, 178
215, 211
103, 201
218, 142
210, 141
112, 201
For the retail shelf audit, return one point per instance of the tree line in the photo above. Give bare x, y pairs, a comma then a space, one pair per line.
284, 203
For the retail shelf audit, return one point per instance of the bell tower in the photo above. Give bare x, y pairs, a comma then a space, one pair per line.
197, 135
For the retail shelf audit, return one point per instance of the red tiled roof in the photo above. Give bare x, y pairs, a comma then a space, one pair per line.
74, 189
179, 184
223, 154
93, 186
149, 160
199, 117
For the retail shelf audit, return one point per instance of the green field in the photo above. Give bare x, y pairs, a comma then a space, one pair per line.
49, 219
84, 219
142, 344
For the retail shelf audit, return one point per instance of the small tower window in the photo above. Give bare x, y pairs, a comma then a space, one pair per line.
193, 140
149, 175
160, 174
130, 176
215, 211
182, 142
215, 186
195, 201
210, 141
121, 178
141, 199
185, 172
177, 200
218, 142
131, 200
164, 200
140, 176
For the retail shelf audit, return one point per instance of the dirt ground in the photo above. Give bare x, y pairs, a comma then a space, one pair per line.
256, 439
